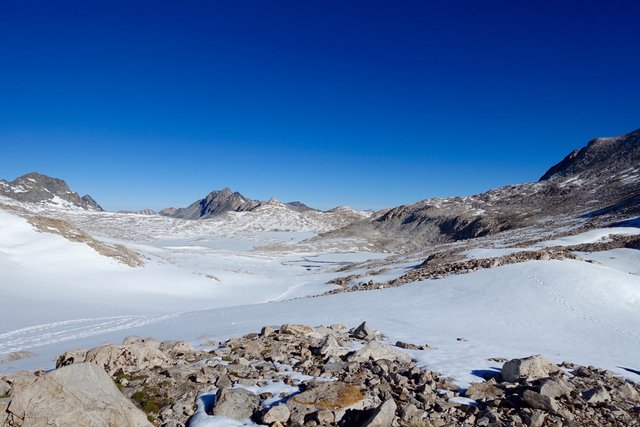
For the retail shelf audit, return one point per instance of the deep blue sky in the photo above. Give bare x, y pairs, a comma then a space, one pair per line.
366, 103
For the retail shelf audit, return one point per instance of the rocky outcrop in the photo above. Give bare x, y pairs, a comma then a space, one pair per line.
76, 395
35, 188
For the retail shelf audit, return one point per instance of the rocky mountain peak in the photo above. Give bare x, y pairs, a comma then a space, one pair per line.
215, 203
600, 155
227, 200
35, 187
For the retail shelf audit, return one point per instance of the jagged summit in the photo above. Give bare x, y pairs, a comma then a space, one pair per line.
35, 187
227, 200
215, 203
598, 156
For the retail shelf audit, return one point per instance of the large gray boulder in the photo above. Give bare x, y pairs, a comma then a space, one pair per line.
376, 351
235, 403
128, 358
528, 368
75, 395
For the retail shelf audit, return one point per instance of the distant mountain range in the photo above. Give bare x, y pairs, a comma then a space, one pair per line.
601, 178
35, 187
226, 200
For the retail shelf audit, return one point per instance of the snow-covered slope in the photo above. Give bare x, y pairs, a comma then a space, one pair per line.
567, 310
211, 278
48, 278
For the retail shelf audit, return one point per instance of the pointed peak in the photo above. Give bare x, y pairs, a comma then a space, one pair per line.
273, 201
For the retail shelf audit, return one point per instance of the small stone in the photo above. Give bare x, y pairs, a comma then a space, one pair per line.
483, 391
407, 346
17, 355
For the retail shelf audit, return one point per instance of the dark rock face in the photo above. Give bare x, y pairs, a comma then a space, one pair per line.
35, 187
88, 200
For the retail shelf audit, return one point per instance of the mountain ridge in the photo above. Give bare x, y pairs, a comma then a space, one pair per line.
35, 187
601, 178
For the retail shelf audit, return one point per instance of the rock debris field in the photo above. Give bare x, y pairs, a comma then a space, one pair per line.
297, 375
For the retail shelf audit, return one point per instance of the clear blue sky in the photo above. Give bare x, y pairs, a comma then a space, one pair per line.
366, 103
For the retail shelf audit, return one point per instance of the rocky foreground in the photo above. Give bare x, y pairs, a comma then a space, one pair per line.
300, 375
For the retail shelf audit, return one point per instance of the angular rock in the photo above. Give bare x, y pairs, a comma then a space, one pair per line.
377, 351
529, 368
383, 416
364, 332
597, 395
235, 403
276, 414
331, 348
554, 388
538, 401
76, 395
628, 393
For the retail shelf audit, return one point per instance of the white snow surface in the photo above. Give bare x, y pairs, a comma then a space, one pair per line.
591, 236
57, 295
